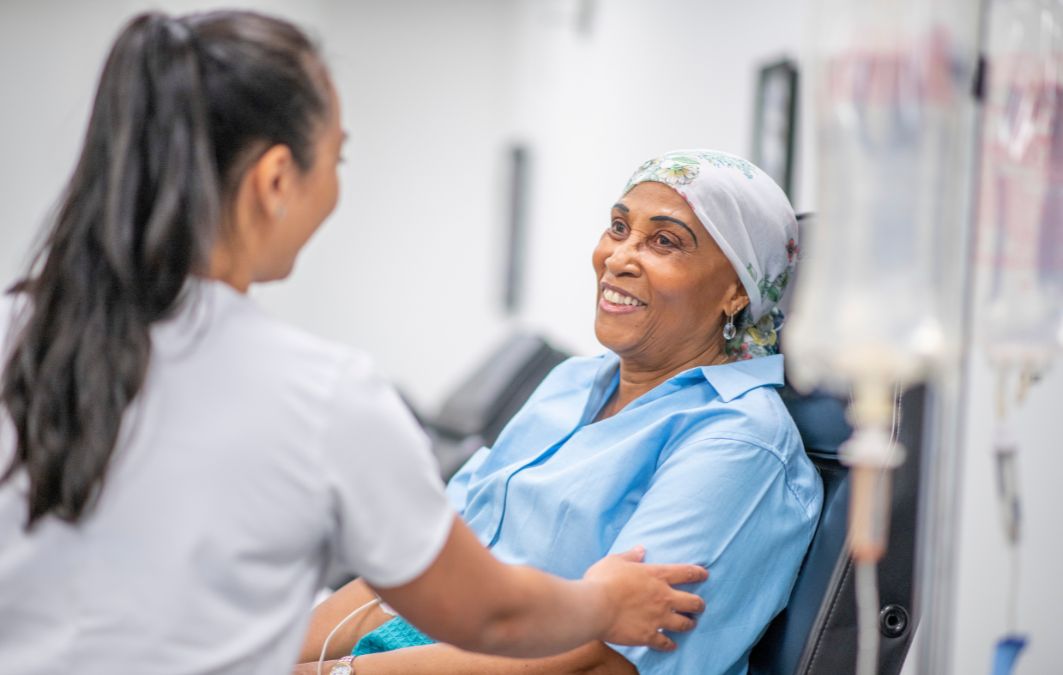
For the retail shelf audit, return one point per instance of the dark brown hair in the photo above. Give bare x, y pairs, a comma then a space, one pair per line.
182, 106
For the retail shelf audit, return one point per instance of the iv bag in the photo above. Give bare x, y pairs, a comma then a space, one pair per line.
1020, 247
877, 295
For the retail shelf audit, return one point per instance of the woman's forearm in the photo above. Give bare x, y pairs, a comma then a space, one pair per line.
331, 612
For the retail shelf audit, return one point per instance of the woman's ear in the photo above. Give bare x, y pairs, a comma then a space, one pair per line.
738, 301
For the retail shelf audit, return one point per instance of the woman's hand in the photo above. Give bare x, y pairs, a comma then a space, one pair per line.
643, 600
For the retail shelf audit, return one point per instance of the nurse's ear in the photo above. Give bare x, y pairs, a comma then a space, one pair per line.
261, 199
271, 180
259, 206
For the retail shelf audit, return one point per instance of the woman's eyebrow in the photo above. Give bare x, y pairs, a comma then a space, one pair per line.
678, 222
620, 207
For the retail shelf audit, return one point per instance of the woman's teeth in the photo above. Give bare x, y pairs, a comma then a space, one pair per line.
619, 298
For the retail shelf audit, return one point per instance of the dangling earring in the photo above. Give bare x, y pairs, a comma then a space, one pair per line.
729, 330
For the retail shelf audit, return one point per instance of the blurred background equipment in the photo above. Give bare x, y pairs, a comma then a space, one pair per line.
1020, 250
775, 122
474, 414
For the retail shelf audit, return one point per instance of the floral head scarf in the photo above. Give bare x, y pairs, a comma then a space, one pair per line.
751, 220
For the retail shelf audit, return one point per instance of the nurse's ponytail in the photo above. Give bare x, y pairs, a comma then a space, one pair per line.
184, 107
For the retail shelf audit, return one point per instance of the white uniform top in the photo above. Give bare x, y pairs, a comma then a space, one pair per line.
254, 456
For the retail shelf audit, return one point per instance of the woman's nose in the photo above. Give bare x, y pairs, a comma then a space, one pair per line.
623, 259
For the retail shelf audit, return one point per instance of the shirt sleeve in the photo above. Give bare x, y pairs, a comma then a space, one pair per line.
725, 504
391, 516
458, 487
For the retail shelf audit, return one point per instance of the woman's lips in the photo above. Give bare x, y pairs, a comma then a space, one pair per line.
615, 301
614, 308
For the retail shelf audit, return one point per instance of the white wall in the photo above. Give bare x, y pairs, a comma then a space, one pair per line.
409, 265
983, 570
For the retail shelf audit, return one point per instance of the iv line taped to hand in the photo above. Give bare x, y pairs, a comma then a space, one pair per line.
324, 648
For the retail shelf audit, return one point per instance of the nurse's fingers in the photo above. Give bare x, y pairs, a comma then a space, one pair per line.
679, 573
678, 623
687, 603
636, 554
662, 643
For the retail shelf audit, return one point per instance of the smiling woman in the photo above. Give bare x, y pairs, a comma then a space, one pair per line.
659, 282
673, 439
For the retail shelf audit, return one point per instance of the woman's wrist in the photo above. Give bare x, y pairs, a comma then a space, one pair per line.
343, 666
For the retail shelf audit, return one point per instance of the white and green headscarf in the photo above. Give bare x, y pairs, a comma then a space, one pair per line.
751, 220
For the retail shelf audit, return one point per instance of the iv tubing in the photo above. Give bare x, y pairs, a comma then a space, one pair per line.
871, 490
1012, 617
867, 618
324, 647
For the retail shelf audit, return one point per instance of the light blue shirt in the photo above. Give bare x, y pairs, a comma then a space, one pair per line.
706, 468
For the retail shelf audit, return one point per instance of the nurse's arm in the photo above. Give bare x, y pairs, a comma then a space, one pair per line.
471, 600
593, 657
440, 659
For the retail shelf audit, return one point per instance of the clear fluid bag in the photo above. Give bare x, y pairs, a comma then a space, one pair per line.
878, 300
1020, 246
877, 292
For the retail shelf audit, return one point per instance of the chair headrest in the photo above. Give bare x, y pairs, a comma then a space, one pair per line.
820, 419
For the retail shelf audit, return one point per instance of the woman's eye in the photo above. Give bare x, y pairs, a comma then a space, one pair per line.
665, 240
618, 227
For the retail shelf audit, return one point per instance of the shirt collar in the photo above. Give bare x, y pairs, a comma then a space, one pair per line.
731, 380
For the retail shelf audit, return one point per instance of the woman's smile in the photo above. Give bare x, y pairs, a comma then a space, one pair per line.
617, 301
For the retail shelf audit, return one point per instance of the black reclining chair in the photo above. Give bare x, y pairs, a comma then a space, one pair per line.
816, 633
474, 414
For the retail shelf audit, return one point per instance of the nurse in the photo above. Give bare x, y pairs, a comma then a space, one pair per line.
178, 467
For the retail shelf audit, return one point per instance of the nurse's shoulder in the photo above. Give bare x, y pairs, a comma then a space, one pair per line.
225, 334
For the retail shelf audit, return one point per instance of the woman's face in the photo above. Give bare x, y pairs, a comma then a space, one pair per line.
664, 286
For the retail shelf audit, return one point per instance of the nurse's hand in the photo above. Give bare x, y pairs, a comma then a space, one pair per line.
644, 602
468, 598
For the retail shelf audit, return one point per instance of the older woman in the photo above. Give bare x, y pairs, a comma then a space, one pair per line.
674, 439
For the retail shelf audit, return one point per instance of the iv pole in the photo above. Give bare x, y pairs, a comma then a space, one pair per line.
942, 491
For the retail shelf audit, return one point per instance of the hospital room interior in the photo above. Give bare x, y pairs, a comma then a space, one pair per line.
920, 143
